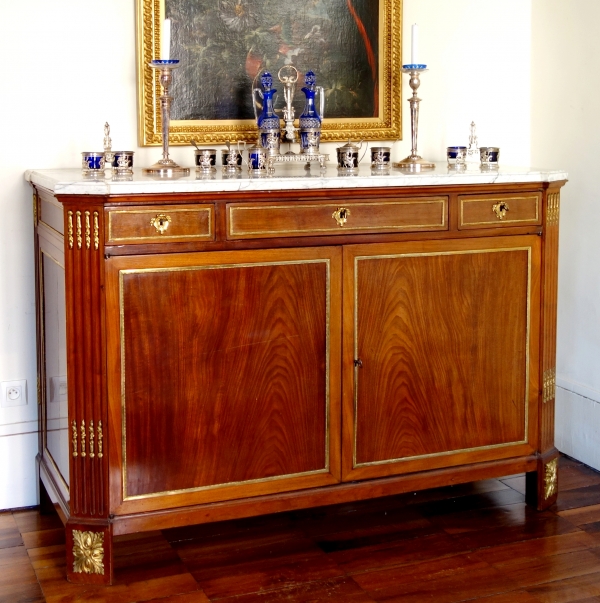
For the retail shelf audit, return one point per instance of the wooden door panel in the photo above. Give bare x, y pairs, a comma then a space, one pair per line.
226, 363
445, 345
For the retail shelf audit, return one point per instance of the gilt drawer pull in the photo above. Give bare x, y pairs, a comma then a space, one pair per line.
161, 223
341, 215
500, 209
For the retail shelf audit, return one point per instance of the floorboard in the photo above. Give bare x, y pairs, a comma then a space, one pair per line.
474, 542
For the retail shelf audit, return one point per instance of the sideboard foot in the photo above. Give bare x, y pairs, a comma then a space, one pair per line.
541, 486
89, 553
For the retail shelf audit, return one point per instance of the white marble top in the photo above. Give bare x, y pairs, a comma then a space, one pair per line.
287, 177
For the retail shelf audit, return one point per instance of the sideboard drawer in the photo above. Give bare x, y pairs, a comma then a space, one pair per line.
297, 219
482, 211
161, 223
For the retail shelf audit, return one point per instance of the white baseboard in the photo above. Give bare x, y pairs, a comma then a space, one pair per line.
577, 426
578, 388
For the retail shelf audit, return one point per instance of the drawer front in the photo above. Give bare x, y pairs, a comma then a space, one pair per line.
483, 211
162, 223
297, 219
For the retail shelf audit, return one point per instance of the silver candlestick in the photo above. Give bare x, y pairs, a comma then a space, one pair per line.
414, 162
166, 167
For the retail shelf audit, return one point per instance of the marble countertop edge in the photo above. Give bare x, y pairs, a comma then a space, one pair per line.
72, 182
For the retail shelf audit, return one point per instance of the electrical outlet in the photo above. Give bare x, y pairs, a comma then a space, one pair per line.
13, 393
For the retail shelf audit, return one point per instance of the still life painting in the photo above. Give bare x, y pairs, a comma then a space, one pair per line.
353, 46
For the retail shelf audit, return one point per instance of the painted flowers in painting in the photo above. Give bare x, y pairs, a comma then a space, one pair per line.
223, 44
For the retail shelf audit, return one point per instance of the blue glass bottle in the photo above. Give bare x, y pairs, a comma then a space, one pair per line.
268, 122
310, 120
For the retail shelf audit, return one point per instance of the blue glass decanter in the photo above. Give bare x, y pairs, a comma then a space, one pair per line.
310, 120
269, 127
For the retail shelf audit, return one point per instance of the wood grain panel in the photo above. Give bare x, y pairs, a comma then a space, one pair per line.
226, 362
443, 341
133, 225
477, 211
251, 221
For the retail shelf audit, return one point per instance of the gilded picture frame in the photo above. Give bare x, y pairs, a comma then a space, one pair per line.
360, 70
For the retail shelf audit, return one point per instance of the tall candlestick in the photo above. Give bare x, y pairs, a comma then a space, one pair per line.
165, 40
166, 167
414, 162
414, 45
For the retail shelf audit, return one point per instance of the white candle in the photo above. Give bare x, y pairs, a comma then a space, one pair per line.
414, 45
165, 40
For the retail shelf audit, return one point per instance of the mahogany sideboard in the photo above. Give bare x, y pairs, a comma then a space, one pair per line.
219, 349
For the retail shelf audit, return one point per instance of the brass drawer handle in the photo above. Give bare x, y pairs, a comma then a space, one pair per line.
341, 215
500, 209
161, 223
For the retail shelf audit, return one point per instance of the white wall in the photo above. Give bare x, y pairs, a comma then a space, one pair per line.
73, 68
565, 129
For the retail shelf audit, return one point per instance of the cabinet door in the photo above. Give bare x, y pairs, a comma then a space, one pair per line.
441, 345
224, 375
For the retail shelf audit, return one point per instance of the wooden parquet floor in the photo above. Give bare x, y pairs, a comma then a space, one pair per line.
477, 542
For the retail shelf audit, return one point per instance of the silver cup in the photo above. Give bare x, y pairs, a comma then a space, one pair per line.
92, 163
380, 158
231, 160
457, 157
489, 156
206, 159
123, 162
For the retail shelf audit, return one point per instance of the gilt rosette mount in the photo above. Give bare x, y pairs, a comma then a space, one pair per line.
166, 167
414, 162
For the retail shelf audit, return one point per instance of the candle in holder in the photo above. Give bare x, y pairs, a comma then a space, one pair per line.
414, 45
165, 40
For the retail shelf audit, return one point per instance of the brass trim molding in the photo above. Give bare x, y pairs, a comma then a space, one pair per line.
553, 209
387, 126
549, 387
83, 453
100, 440
82, 229
70, 228
89, 434
88, 552
525, 439
79, 233
91, 440
88, 230
551, 479
443, 201
74, 438
325, 469
96, 232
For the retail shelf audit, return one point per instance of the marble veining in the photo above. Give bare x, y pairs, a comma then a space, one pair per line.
287, 177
